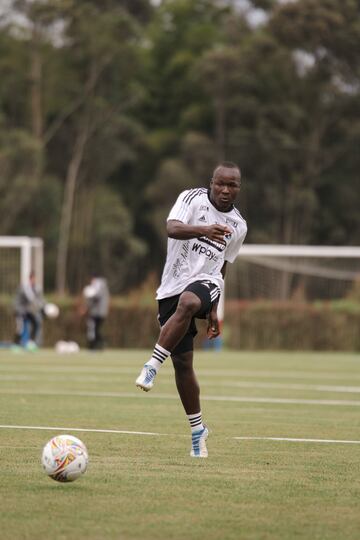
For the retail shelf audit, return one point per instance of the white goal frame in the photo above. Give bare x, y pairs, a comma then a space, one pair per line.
291, 250
31, 256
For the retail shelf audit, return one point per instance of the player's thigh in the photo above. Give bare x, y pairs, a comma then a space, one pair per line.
207, 293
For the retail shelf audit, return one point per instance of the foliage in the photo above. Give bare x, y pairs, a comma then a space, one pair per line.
109, 109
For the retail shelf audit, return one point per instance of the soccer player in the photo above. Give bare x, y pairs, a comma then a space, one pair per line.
97, 299
29, 312
205, 231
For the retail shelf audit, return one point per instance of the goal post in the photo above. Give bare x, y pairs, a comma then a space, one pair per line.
18, 256
286, 272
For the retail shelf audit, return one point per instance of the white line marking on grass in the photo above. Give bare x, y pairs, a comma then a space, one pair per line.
241, 384
240, 399
101, 369
53, 428
278, 374
284, 400
125, 432
284, 386
331, 441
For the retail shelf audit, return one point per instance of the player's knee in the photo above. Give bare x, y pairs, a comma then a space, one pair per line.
188, 305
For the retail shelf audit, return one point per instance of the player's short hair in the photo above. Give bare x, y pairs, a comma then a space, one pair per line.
226, 165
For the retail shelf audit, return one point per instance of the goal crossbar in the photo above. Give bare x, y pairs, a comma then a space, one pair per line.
281, 250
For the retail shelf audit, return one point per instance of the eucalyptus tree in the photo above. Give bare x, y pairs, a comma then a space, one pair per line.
325, 37
80, 63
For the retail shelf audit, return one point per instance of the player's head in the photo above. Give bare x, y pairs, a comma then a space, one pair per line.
225, 185
32, 277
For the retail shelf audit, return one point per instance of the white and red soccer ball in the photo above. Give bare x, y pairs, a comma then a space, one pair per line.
65, 458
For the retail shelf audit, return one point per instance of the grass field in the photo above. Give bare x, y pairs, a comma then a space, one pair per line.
142, 484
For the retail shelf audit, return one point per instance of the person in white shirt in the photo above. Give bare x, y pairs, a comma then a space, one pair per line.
205, 232
97, 298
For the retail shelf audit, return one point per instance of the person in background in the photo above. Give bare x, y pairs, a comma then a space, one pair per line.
29, 306
97, 298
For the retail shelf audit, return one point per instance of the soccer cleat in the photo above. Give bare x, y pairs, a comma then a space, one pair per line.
145, 380
198, 441
31, 346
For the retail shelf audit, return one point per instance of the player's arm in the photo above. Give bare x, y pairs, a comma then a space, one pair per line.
182, 231
213, 329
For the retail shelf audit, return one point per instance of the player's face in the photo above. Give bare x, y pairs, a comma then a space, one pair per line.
224, 188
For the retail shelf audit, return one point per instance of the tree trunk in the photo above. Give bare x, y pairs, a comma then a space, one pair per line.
67, 207
36, 87
220, 127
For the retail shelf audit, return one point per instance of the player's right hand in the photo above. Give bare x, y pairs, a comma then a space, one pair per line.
217, 232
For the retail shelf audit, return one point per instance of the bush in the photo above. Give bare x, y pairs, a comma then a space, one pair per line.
247, 326
270, 325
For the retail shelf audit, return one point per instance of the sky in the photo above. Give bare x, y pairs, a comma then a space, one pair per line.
254, 16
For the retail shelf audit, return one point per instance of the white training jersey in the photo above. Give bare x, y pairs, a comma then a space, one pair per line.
199, 258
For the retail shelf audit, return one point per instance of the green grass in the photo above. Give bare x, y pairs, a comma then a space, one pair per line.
147, 486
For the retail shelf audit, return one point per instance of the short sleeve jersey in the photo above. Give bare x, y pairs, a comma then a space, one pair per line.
199, 258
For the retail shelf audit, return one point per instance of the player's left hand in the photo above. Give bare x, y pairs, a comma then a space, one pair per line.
213, 329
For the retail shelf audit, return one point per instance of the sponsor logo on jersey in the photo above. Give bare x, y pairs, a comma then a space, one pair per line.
202, 218
204, 208
215, 245
203, 250
232, 222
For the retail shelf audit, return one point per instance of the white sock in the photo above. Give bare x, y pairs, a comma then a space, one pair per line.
158, 357
195, 422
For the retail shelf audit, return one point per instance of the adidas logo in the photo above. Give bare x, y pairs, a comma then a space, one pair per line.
202, 218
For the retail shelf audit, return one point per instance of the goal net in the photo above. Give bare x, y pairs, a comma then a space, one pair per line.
289, 272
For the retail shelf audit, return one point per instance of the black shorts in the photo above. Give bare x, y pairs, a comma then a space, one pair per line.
208, 293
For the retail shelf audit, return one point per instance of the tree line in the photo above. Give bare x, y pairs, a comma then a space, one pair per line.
109, 108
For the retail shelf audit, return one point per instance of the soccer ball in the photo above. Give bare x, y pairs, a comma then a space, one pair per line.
89, 291
66, 347
64, 458
51, 311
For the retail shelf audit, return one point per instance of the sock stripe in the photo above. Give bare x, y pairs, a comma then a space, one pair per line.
195, 421
159, 354
161, 359
162, 350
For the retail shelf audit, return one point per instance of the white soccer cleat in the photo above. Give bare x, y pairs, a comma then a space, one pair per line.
145, 380
198, 442
31, 346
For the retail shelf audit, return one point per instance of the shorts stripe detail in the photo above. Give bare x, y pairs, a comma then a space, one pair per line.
215, 293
